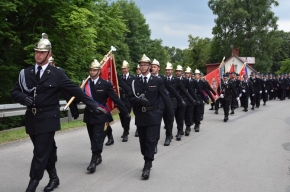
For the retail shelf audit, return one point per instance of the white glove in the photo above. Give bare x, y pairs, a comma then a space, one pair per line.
238, 99
272, 90
266, 91
260, 92
240, 95
216, 97
222, 96
244, 91
253, 95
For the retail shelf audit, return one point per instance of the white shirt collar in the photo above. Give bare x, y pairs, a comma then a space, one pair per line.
42, 70
95, 81
148, 76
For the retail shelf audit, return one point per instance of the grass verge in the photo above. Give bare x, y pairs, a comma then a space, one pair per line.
19, 133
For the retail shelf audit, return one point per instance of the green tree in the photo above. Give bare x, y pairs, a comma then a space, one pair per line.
249, 25
198, 53
285, 67
138, 35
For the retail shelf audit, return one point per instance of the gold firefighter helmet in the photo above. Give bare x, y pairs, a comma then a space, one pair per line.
125, 64
50, 59
188, 70
43, 44
168, 66
197, 71
155, 62
95, 65
179, 68
145, 59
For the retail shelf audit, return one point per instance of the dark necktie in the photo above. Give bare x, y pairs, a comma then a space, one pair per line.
145, 81
38, 73
124, 77
168, 79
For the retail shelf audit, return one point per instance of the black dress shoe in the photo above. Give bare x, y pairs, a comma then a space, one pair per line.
167, 141
110, 142
96, 160
211, 108
32, 185
136, 134
178, 137
125, 138
53, 181
246, 110
146, 169
216, 112
187, 131
233, 112
253, 108
196, 128
226, 119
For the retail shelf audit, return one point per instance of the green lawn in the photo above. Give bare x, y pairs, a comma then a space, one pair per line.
19, 133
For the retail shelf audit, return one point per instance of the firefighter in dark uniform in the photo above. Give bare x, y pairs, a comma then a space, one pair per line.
38, 88
155, 68
190, 101
179, 108
197, 85
246, 89
235, 82
271, 86
227, 92
127, 78
265, 89
255, 96
138, 71
100, 90
148, 91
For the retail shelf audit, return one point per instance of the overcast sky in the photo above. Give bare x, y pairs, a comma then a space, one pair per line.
173, 20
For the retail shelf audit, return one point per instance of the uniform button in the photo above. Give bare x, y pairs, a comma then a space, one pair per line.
50, 85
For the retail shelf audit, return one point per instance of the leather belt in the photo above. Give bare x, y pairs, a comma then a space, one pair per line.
42, 109
145, 109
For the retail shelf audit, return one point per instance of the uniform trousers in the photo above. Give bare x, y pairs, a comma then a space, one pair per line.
147, 138
168, 123
198, 112
124, 121
226, 106
245, 100
96, 133
179, 117
43, 154
188, 116
265, 97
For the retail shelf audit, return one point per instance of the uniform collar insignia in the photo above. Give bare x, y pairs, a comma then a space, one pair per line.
31, 71
48, 71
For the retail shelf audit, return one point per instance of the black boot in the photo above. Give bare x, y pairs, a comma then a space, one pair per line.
167, 141
178, 136
110, 141
96, 160
187, 131
226, 118
136, 134
196, 127
32, 185
146, 169
53, 181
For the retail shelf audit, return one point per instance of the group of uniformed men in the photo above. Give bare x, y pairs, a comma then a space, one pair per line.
150, 95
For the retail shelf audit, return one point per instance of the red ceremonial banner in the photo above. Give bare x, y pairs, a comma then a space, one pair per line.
213, 79
109, 73
232, 69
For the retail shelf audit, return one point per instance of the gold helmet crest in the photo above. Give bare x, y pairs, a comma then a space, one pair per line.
145, 59
95, 65
197, 71
43, 44
168, 66
125, 64
188, 70
179, 68
155, 62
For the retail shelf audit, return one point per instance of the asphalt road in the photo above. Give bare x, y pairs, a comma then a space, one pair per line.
249, 153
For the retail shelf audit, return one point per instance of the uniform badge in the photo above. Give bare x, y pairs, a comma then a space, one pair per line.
48, 71
99, 82
31, 71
